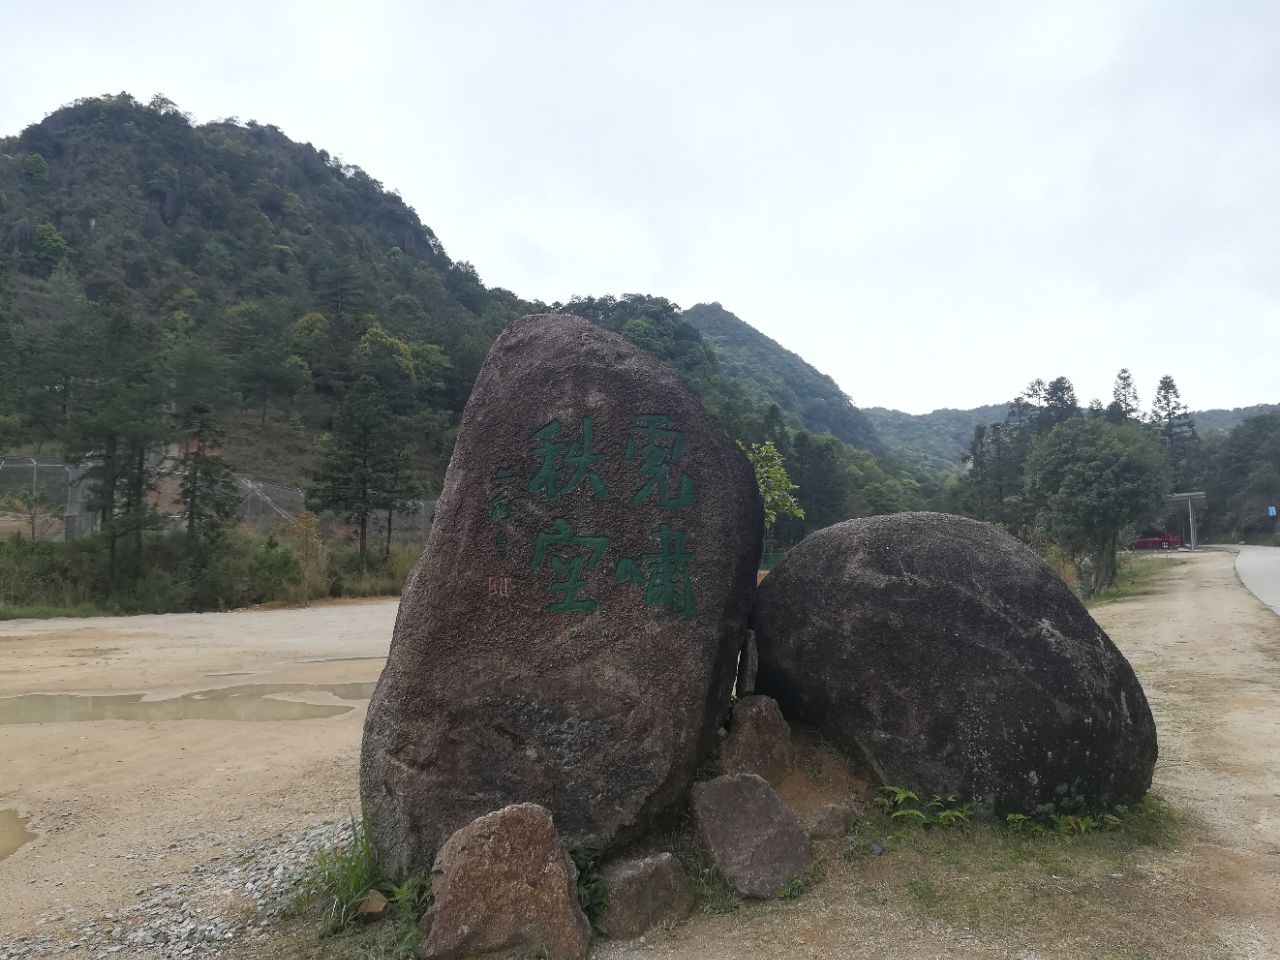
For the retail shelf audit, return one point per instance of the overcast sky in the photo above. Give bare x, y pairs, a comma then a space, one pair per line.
932, 202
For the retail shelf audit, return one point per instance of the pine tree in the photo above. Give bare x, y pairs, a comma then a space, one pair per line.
118, 423
1172, 420
1124, 398
363, 464
210, 497
1060, 404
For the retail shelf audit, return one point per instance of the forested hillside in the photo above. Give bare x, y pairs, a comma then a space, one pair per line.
936, 439
1080, 482
1220, 421
939, 439
773, 374
245, 304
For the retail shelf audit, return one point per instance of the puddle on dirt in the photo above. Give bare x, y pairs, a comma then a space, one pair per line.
248, 702
232, 673
13, 832
337, 659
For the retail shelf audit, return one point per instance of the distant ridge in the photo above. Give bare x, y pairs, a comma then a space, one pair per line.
777, 375
940, 438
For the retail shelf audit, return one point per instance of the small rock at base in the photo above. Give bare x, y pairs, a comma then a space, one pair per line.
829, 821
750, 834
503, 884
373, 906
759, 740
644, 895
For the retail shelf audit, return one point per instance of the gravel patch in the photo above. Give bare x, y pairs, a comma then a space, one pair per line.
233, 898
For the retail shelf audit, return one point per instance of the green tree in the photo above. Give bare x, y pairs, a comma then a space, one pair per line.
362, 462
1091, 480
1172, 419
35, 168
118, 424
1124, 399
48, 250
1060, 404
210, 498
776, 489
1243, 480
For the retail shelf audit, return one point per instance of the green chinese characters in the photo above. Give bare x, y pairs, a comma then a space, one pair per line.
656, 445
501, 503
664, 573
573, 555
557, 456
662, 448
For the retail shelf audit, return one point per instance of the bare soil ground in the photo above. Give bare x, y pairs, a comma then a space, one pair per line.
117, 804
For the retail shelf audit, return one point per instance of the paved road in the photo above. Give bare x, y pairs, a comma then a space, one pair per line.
1259, 569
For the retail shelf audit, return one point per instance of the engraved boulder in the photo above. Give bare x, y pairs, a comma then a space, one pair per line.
569, 637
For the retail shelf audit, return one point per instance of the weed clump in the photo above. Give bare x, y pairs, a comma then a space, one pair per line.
591, 890
342, 878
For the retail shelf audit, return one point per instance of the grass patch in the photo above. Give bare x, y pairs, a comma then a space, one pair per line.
340, 880
802, 882
710, 885
336, 886
44, 612
924, 893
1134, 575
1026, 872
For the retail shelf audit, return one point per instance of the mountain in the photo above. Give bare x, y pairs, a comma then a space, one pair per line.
939, 439
773, 374
1219, 421
936, 440
153, 269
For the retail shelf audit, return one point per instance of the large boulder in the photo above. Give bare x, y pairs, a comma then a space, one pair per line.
570, 635
504, 885
954, 660
748, 832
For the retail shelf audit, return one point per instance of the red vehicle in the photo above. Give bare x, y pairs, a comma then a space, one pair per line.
1158, 541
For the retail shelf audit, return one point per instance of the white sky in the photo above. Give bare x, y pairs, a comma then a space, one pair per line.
934, 202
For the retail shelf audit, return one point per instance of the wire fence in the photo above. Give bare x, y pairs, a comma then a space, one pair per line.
49, 500
267, 507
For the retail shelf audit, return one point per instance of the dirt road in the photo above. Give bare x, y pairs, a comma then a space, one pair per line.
275, 701
117, 803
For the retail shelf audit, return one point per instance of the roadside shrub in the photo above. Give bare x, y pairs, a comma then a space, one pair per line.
272, 569
234, 569
158, 591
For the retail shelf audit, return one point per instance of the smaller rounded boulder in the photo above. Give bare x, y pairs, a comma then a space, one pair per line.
954, 660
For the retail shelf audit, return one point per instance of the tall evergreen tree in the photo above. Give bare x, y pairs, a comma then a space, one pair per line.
1124, 398
210, 498
118, 425
1172, 420
362, 465
1060, 404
